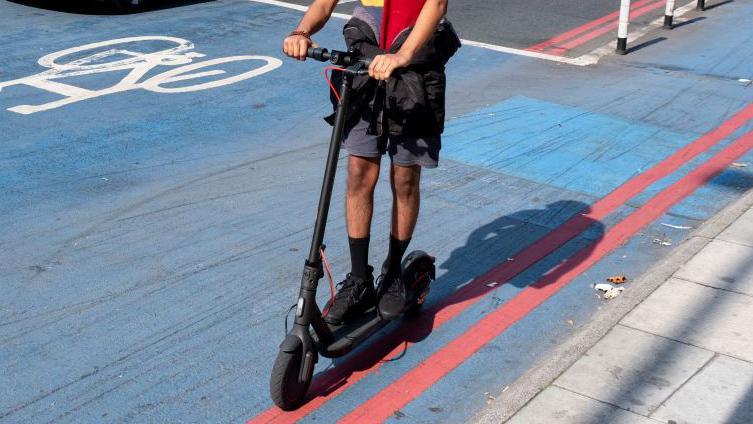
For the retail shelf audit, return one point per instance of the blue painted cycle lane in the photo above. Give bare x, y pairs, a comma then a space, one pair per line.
157, 238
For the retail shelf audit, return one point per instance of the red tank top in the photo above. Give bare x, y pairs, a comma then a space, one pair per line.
388, 18
397, 16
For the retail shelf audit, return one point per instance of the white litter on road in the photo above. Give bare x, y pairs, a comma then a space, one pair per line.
663, 241
610, 291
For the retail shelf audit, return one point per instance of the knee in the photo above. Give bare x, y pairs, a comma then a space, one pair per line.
362, 177
405, 183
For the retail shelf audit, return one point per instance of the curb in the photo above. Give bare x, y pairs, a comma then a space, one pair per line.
541, 375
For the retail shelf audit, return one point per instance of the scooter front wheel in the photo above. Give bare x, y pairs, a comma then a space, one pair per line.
286, 389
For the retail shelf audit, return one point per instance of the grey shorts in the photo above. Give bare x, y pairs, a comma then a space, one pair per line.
403, 150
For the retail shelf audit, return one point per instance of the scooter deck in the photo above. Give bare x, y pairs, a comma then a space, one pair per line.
348, 336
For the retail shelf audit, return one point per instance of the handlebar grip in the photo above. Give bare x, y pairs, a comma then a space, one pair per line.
318, 53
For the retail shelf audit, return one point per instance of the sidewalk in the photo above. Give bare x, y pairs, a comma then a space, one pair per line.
683, 354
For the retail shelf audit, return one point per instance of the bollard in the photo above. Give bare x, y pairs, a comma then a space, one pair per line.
701, 5
622, 30
669, 14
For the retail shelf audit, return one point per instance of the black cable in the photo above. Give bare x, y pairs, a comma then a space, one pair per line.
287, 315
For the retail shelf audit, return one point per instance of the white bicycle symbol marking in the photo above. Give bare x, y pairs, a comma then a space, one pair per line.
113, 55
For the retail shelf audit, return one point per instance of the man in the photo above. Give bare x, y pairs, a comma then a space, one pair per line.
397, 33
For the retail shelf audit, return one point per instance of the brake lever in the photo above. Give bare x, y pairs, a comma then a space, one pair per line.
361, 69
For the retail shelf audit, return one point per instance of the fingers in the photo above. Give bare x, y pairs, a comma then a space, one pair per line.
296, 46
374, 64
382, 66
303, 46
387, 71
287, 47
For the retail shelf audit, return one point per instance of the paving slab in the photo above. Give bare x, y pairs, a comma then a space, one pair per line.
741, 231
726, 384
634, 370
722, 264
706, 317
556, 404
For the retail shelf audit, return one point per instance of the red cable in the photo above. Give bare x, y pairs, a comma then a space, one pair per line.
331, 282
321, 251
332, 87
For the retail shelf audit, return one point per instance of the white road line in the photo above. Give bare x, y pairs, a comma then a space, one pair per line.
579, 61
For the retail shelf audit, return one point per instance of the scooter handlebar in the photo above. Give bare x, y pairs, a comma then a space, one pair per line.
318, 53
336, 57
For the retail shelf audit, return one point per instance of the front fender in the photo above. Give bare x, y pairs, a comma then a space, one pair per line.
291, 343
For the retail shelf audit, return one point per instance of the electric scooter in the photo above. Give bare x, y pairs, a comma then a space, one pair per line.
310, 334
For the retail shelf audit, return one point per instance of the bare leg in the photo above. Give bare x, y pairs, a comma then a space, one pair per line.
363, 174
406, 199
357, 290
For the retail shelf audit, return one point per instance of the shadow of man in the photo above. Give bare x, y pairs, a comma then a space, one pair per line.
525, 234
498, 241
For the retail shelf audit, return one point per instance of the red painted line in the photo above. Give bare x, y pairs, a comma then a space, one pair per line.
583, 28
398, 394
561, 49
329, 384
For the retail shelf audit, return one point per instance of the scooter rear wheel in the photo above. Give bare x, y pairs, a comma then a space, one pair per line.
286, 390
418, 273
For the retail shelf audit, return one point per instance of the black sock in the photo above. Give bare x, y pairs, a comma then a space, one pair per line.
395, 255
359, 256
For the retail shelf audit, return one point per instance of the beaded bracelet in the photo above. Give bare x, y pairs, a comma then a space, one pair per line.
302, 33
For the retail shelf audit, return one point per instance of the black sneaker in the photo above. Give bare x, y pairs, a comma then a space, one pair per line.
392, 296
354, 296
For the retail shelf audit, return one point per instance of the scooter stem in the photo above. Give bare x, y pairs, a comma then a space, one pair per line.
329, 170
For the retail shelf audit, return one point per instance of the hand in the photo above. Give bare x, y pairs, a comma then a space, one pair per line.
382, 66
296, 46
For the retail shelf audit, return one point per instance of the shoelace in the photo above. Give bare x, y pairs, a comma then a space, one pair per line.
346, 288
396, 287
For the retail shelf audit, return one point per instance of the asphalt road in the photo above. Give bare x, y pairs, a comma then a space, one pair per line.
511, 23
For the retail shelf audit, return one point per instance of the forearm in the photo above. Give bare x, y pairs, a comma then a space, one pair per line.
316, 16
426, 24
